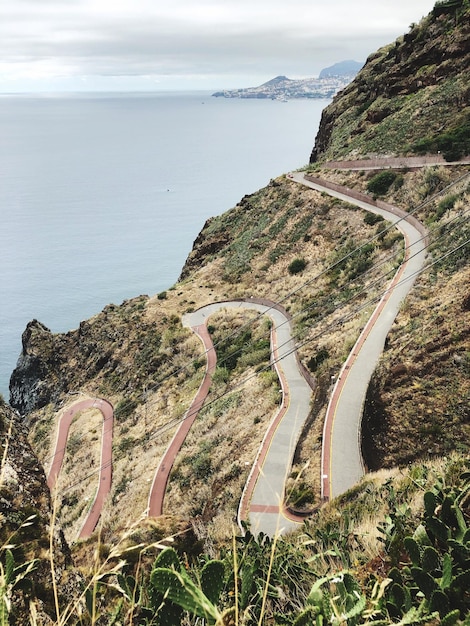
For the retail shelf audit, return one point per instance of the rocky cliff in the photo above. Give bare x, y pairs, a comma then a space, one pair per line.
413, 89
44, 373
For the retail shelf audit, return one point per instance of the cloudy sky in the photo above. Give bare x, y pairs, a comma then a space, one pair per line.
63, 45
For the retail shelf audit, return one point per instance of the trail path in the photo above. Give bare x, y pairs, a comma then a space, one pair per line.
381, 163
262, 501
342, 465
105, 474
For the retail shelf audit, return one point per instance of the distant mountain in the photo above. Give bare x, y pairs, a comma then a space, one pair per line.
283, 88
343, 68
277, 81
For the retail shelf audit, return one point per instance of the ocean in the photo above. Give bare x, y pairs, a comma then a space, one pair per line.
102, 195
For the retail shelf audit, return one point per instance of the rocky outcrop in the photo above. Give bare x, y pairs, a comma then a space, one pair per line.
27, 384
118, 349
202, 247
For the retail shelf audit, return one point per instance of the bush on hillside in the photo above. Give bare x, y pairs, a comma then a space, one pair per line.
454, 143
372, 218
381, 183
297, 266
124, 409
316, 360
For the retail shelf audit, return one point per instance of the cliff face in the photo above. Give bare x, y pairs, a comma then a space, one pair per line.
414, 88
28, 389
45, 373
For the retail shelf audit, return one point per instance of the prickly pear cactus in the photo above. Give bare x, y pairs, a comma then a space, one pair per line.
176, 588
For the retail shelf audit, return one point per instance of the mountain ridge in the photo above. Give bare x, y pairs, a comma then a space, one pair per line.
348, 68
407, 91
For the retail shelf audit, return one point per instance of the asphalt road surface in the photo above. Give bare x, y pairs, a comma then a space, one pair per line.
342, 465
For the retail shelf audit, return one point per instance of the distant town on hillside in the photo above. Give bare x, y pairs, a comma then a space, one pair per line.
330, 80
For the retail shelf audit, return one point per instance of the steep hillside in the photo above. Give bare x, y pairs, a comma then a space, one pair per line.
411, 96
393, 549
27, 531
139, 356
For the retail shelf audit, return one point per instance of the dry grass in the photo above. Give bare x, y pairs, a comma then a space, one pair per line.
83, 450
216, 458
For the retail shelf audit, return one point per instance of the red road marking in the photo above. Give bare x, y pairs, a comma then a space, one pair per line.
105, 476
264, 508
157, 491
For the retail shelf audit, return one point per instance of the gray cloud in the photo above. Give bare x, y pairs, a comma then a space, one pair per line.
52, 40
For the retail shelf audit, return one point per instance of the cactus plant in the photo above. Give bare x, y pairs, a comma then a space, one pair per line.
213, 580
430, 559
426, 583
176, 591
440, 571
180, 589
430, 586
412, 548
451, 618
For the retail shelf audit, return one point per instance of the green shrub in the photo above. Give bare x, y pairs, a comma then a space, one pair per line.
454, 143
202, 465
124, 409
221, 375
381, 183
315, 362
297, 266
372, 218
446, 204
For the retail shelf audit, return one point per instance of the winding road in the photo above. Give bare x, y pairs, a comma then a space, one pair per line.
263, 496
105, 474
342, 465
262, 502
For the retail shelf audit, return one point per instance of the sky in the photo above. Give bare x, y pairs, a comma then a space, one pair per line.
147, 45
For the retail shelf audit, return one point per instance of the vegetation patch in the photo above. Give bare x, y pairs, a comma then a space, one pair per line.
315, 361
372, 218
389, 551
381, 183
454, 143
296, 266
124, 409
